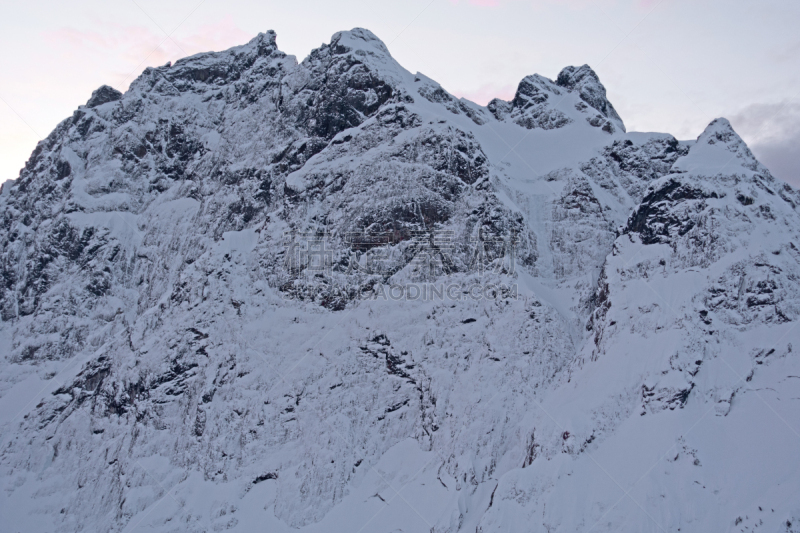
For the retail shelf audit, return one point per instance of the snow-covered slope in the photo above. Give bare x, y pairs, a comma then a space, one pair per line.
211, 319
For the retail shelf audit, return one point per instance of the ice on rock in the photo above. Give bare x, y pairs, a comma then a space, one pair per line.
193, 305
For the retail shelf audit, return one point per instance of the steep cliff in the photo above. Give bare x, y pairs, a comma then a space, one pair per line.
330, 296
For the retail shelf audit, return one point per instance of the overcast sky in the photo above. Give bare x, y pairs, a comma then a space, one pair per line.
669, 65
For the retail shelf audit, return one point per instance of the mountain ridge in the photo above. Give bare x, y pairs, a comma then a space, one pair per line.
198, 275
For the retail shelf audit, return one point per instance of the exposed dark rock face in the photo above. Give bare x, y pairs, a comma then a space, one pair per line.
663, 212
103, 95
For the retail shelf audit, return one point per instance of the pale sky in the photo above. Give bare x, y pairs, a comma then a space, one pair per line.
670, 65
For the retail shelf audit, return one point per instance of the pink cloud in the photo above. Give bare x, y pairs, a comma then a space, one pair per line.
577, 4
572, 4
481, 3
76, 37
140, 46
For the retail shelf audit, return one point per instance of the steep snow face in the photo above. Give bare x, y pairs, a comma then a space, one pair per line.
212, 312
692, 336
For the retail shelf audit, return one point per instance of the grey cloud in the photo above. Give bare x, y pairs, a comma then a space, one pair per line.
773, 133
781, 158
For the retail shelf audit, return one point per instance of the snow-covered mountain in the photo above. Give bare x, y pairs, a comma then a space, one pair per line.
211, 310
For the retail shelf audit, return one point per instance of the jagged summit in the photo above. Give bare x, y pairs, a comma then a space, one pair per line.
214, 68
720, 130
262, 44
585, 81
720, 150
103, 95
211, 303
576, 96
358, 39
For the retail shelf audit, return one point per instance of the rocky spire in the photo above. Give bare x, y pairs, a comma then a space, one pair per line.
585, 81
103, 95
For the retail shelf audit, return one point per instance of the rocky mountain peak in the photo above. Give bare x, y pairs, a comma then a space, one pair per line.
360, 47
572, 77
534, 89
269, 292
721, 132
358, 39
577, 96
585, 81
103, 95
207, 70
720, 150
262, 44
